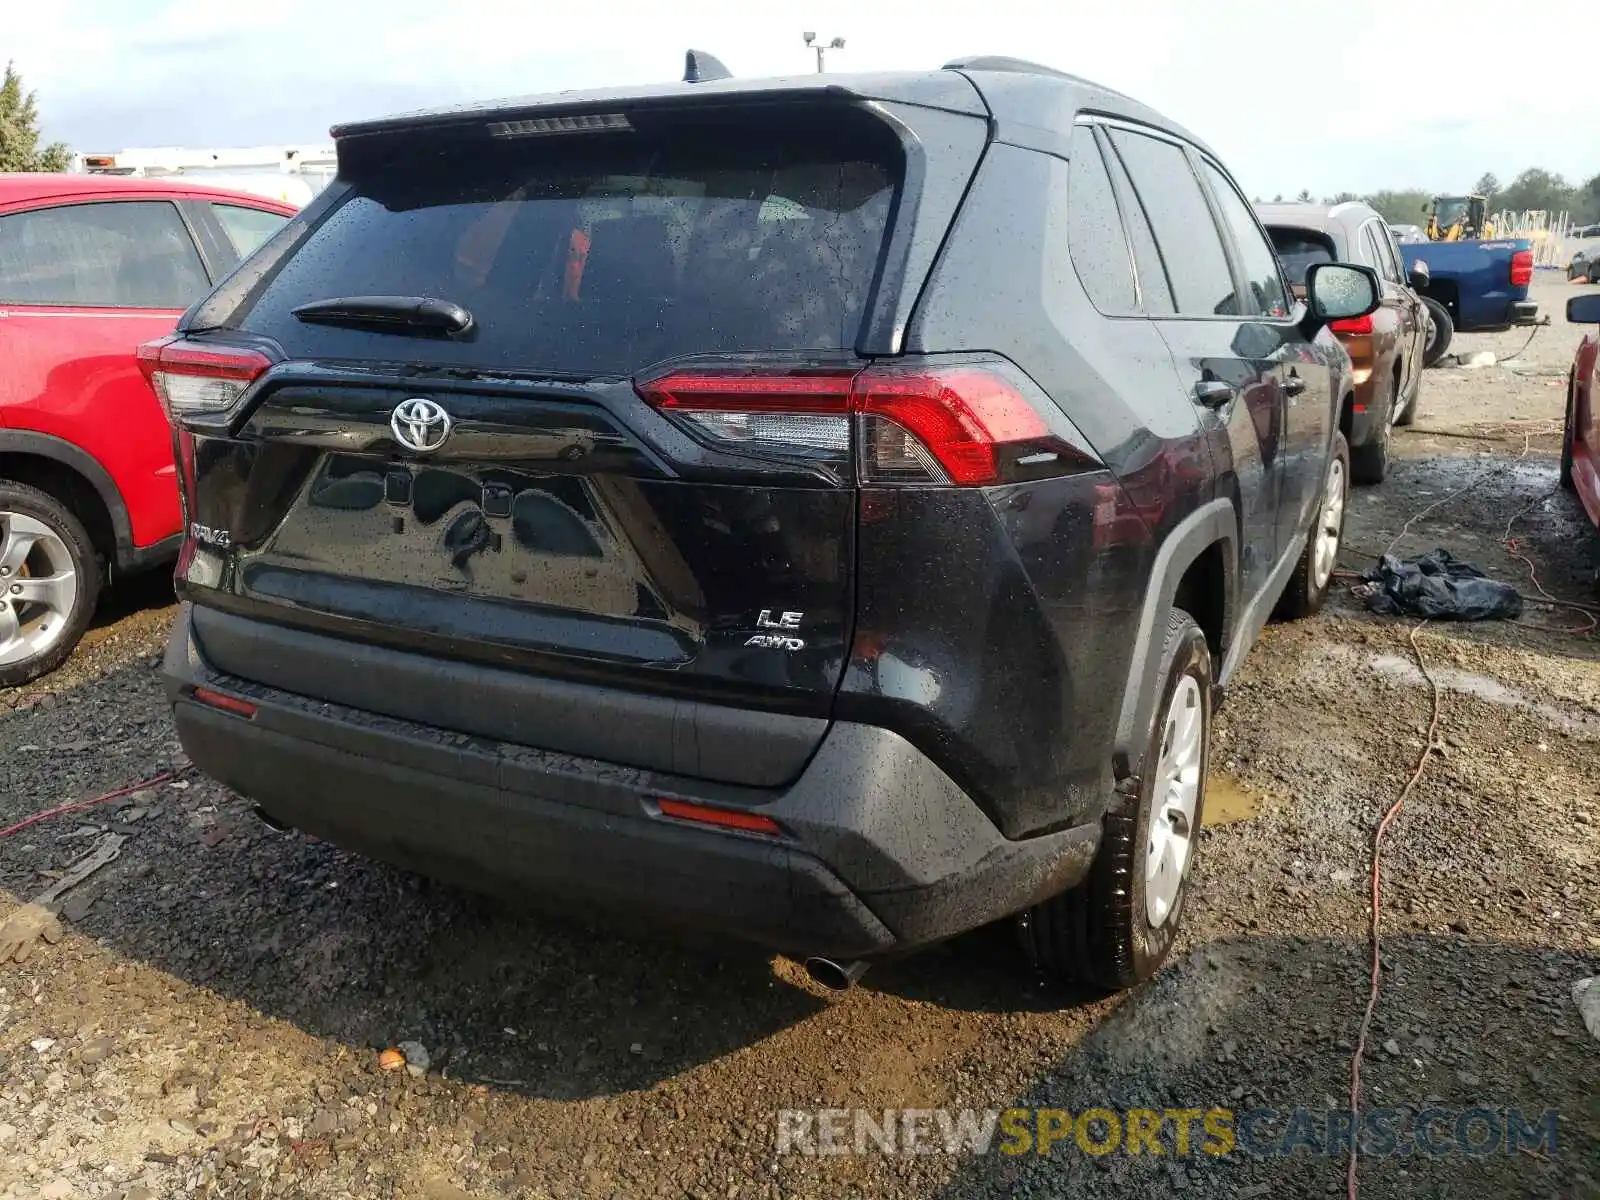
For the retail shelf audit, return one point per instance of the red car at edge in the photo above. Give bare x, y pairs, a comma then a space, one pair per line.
1580, 442
90, 267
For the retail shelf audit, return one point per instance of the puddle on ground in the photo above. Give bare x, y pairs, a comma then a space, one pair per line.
1227, 802
1484, 687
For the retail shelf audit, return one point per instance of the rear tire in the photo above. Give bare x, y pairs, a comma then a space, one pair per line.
1408, 414
1441, 329
1370, 463
1569, 431
1308, 586
1116, 928
42, 539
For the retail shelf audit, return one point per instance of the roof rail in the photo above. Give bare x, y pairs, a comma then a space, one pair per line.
1001, 62
700, 67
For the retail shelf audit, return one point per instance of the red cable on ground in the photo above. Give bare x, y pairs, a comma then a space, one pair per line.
62, 809
1377, 889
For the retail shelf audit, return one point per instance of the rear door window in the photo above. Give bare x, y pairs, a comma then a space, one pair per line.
1267, 295
1197, 264
602, 253
1382, 256
111, 254
247, 228
1299, 249
1155, 290
1098, 244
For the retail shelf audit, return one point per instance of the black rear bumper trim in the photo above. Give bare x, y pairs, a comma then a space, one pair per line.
885, 852
663, 733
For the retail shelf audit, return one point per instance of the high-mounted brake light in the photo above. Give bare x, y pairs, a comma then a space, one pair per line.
1352, 325
195, 380
967, 424
1522, 268
545, 126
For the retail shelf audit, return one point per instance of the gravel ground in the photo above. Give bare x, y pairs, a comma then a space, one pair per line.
211, 1023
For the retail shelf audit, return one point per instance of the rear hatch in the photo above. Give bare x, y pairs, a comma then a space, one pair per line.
557, 396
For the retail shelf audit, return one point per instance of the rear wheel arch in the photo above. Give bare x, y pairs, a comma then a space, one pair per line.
76, 479
1199, 560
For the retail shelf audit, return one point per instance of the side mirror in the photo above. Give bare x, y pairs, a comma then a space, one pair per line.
1584, 310
1420, 276
1340, 291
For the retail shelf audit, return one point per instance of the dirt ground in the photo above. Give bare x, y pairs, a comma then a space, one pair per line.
211, 1023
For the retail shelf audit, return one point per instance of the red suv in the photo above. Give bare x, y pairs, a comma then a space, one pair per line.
90, 267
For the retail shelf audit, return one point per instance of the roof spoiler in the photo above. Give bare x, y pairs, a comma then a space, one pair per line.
700, 67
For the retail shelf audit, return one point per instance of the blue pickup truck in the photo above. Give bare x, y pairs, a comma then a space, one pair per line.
1472, 285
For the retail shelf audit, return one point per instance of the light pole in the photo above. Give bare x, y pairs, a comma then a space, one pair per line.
821, 49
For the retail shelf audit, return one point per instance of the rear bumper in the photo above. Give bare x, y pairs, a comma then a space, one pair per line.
881, 851
1522, 312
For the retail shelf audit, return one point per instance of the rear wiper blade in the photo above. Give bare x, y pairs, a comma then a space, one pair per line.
389, 314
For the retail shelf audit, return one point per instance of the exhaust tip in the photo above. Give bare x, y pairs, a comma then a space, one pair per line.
270, 821
836, 977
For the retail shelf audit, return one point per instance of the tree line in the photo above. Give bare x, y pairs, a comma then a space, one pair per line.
19, 131
1534, 188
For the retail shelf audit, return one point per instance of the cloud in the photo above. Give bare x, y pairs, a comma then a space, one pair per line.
1289, 97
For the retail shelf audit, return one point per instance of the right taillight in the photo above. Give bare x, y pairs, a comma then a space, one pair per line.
963, 424
1522, 268
192, 379
1352, 325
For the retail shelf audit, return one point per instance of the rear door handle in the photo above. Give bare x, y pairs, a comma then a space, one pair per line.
1214, 393
1294, 385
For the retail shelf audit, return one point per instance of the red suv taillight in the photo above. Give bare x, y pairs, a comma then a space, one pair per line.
1352, 325
966, 424
1522, 268
195, 380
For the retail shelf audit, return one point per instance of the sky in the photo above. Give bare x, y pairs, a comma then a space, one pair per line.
1353, 96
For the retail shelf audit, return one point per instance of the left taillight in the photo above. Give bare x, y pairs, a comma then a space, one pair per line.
1522, 268
966, 424
194, 380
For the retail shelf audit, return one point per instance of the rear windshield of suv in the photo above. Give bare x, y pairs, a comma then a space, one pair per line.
1301, 248
585, 254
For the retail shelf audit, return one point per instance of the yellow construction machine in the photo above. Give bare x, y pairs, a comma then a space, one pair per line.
1457, 218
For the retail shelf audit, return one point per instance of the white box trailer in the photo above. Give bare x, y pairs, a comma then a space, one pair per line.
292, 174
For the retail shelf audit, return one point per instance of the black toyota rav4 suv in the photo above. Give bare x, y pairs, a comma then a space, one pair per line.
818, 511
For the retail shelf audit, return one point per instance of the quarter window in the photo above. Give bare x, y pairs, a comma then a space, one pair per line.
247, 228
1381, 253
1099, 246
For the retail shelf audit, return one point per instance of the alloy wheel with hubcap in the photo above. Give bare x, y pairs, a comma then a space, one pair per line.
38, 588
1330, 524
1313, 571
50, 579
1177, 794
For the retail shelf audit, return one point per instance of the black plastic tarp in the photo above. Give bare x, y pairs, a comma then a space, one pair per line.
1440, 587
